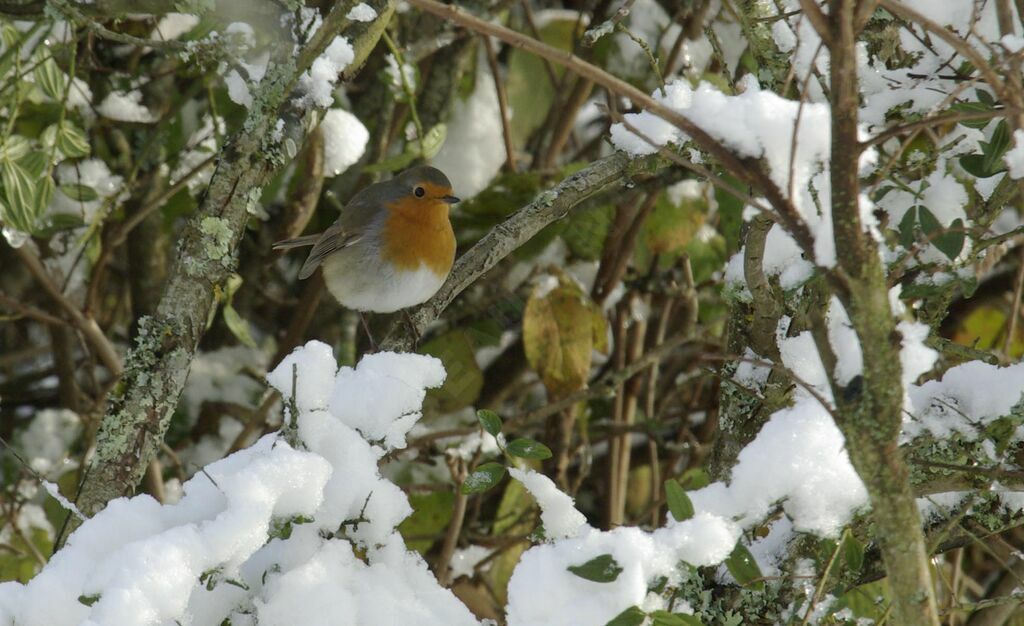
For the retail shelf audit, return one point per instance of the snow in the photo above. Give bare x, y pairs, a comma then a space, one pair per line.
362, 12
126, 107
238, 90
91, 173
569, 599
1014, 157
962, 402
218, 554
474, 149
317, 84
560, 518
345, 140
798, 458
45, 443
174, 25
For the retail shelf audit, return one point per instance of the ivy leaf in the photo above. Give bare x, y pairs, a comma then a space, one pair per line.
600, 569
483, 478
632, 616
528, 449
490, 421
743, 567
679, 503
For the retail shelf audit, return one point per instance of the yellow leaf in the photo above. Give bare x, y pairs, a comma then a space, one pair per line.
561, 328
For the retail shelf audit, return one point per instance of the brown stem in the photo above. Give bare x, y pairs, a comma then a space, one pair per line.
499, 88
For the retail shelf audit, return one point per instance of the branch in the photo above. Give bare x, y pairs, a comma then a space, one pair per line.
133, 429
750, 173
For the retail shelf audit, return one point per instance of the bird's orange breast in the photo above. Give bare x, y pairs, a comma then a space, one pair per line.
418, 232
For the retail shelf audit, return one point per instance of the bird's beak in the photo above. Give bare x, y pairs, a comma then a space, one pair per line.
450, 199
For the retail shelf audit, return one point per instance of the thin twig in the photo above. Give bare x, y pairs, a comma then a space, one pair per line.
499, 88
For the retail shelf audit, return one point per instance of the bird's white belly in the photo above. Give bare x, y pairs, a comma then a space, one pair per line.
363, 282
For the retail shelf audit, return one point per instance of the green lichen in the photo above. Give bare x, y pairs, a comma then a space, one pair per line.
218, 244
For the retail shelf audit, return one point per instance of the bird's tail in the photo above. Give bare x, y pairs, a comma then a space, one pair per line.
298, 242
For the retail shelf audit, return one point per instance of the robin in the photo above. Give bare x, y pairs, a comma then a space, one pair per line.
392, 247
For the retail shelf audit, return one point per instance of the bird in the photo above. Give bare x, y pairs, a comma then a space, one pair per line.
391, 248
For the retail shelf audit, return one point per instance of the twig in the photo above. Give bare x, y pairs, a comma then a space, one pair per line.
86, 325
499, 88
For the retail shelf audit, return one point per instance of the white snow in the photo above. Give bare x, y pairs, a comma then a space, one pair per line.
174, 25
317, 84
558, 514
474, 149
1014, 157
126, 107
219, 553
362, 12
345, 140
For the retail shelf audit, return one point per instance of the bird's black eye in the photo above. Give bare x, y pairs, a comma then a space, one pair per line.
420, 192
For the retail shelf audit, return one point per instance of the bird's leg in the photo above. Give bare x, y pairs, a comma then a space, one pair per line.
369, 335
412, 328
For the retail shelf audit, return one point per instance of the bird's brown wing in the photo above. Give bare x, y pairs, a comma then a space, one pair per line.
356, 220
333, 239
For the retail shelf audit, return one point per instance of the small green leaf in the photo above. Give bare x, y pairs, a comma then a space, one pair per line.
528, 449
678, 502
72, 142
490, 421
89, 599
906, 228
972, 107
853, 553
79, 193
996, 147
664, 618
483, 478
600, 569
51, 79
985, 98
743, 567
951, 242
238, 326
632, 616
433, 139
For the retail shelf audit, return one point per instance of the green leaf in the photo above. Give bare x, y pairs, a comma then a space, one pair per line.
89, 600
79, 193
238, 326
51, 79
72, 142
951, 242
853, 553
483, 478
457, 351
664, 618
678, 502
528, 449
972, 107
600, 569
433, 139
930, 225
20, 193
906, 228
490, 421
974, 164
985, 98
743, 567
14, 148
632, 616
996, 146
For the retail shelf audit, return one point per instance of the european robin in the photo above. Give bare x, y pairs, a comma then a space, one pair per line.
392, 247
